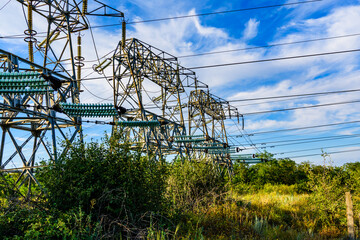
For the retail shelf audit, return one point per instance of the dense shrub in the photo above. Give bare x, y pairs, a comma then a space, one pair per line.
108, 181
284, 171
327, 199
194, 183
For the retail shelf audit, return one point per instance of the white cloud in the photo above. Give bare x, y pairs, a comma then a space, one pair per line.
251, 29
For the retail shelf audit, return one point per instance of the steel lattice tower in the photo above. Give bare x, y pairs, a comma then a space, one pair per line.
207, 114
138, 67
41, 98
34, 89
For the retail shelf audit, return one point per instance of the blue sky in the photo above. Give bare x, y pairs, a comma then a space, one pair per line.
327, 18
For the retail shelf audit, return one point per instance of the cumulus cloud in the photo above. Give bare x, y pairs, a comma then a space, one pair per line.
251, 29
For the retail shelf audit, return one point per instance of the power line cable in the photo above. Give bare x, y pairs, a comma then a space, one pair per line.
311, 155
252, 143
105, 99
268, 46
319, 148
295, 95
249, 141
275, 59
271, 59
264, 60
305, 142
304, 107
96, 51
301, 128
312, 132
5, 5
275, 101
289, 96
294, 99
309, 133
210, 13
305, 139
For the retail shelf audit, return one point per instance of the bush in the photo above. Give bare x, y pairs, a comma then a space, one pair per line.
250, 178
327, 200
283, 171
194, 183
25, 222
108, 181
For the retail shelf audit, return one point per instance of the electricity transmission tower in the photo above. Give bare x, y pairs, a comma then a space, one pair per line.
138, 67
33, 90
40, 98
29, 94
207, 114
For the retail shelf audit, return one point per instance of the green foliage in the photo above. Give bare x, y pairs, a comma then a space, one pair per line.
25, 222
284, 171
105, 191
327, 198
352, 176
194, 183
105, 179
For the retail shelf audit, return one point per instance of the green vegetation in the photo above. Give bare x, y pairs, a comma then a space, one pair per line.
105, 191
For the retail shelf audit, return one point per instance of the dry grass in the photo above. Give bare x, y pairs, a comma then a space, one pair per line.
275, 213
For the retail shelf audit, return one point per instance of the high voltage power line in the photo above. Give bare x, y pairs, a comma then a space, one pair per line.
305, 142
305, 139
306, 133
299, 134
269, 46
275, 59
5, 5
210, 13
295, 95
301, 128
255, 61
337, 152
285, 96
241, 49
184, 16
280, 110
293, 100
319, 148
289, 109
304, 107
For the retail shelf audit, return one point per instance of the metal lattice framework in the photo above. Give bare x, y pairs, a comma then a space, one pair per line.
138, 66
41, 98
33, 92
29, 94
207, 114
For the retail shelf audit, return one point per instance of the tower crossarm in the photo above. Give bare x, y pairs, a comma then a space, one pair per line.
63, 13
146, 61
207, 103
